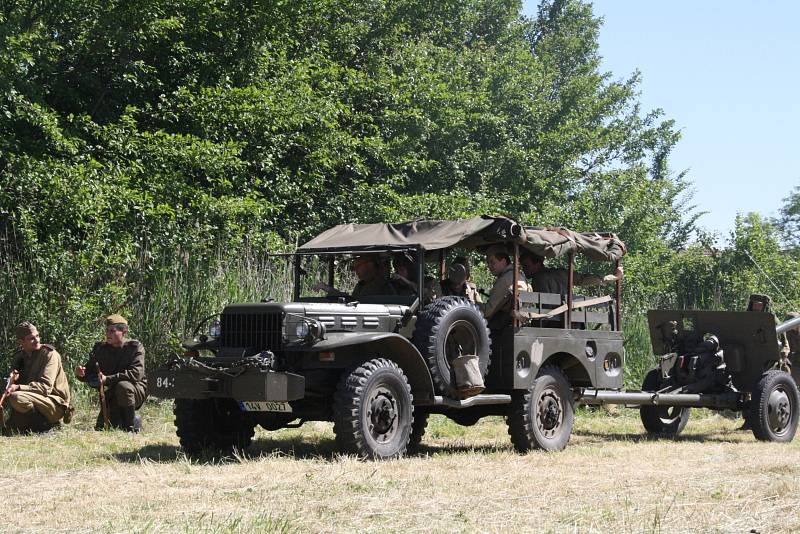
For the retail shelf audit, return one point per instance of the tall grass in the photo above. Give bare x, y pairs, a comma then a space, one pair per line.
638, 353
163, 299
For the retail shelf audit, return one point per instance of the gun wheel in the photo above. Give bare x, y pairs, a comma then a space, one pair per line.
773, 410
661, 420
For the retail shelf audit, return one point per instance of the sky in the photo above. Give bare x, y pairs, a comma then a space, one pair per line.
728, 74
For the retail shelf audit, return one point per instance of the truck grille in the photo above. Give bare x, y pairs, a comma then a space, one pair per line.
252, 331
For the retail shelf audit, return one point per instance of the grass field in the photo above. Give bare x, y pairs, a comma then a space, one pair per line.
611, 478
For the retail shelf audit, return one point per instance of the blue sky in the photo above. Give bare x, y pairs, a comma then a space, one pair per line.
728, 73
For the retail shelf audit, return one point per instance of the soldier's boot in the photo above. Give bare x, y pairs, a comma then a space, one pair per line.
40, 424
68, 414
100, 423
128, 419
28, 423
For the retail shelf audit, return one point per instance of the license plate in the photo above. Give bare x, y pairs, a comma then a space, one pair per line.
265, 406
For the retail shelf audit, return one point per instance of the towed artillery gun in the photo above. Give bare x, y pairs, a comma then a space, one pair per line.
379, 365
718, 360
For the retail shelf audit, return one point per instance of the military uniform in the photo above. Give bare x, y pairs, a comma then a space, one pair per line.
498, 307
125, 381
403, 287
376, 286
43, 397
557, 280
468, 290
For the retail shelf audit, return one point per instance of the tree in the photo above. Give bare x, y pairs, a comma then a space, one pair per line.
789, 221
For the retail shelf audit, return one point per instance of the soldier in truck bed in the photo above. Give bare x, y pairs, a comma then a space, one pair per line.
548, 280
121, 364
458, 281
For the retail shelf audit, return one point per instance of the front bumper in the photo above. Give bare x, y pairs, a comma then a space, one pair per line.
251, 385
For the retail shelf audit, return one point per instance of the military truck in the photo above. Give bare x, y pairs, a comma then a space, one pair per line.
377, 366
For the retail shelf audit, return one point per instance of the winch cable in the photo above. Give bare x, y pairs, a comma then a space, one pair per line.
786, 300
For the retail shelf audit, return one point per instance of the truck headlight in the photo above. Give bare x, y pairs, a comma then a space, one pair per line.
301, 329
214, 330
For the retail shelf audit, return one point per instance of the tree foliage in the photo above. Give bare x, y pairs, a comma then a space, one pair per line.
139, 137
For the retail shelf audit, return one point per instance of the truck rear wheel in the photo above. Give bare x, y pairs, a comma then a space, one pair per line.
218, 425
542, 417
661, 420
446, 329
373, 411
773, 407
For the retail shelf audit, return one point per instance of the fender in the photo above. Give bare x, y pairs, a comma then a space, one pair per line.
389, 345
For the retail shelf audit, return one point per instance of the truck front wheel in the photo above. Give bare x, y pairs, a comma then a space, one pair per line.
373, 411
542, 417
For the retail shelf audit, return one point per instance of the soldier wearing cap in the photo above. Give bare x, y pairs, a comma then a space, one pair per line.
499, 306
117, 364
458, 281
40, 398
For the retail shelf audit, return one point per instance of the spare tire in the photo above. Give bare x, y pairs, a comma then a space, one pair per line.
447, 328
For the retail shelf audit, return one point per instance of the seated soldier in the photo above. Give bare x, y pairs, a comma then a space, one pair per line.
458, 281
40, 397
404, 272
371, 280
548, 280
499, 306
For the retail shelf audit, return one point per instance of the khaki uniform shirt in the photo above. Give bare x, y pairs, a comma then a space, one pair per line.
502, 291
123, 364
41, 372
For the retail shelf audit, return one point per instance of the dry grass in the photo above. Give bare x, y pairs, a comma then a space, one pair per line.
610, 479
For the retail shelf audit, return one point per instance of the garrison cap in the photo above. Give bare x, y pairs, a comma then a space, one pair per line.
24, 329
497, 249
116, 319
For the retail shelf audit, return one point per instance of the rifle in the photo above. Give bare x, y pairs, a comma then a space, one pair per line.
103, 403
12, 379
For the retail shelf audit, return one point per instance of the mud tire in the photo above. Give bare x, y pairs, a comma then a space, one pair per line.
373, 411
542, 417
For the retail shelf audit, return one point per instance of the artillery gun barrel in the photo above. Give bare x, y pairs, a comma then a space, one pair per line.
640, 398
787, 325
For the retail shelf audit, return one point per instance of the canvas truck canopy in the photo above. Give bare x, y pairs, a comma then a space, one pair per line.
432, 235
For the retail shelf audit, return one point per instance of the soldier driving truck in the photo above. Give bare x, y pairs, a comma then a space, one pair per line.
378, 364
